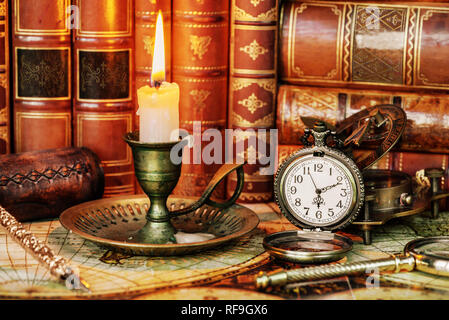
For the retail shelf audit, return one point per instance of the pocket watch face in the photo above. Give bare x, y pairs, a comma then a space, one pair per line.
318, 191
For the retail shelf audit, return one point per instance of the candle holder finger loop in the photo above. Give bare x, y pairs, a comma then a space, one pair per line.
238, 190
219, 176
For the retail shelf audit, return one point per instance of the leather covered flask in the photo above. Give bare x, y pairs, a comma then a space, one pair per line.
42, 184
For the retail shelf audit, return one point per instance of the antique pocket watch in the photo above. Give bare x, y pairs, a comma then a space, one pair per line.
320, 188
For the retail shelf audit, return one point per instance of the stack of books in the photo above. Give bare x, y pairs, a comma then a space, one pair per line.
70, 79
338, 57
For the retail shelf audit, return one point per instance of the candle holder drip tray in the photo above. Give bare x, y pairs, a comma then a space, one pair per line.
111, 223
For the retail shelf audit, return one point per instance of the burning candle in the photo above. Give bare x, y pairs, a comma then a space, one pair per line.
159, 104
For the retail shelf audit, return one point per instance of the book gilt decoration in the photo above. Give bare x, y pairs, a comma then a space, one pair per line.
254, 50
104, 75
199, 45
43, 73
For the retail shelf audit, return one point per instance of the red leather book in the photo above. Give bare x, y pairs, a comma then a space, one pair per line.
103, 104
200, 36
427, 127
5, 139
253, 84
42, 80
352, 44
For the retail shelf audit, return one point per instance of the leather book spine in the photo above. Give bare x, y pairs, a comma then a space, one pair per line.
42, 78
402, 46
200, 36
253, 85
103, 104
5, 127
42, 184
426, 131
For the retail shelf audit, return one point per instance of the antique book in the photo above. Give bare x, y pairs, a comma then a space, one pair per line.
426, 131
42, 184
200, 67
352, 44
252, 86
5, 134
42, 76
103, 103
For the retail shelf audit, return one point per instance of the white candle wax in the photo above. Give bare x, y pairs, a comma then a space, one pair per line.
159, 113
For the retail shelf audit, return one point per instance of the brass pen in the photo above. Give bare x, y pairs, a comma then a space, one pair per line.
57, 266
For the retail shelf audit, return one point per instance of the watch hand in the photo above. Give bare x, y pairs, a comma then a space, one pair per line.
317, 191
330, 187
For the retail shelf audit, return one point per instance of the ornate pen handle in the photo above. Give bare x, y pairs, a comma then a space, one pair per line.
395, 264
56, 265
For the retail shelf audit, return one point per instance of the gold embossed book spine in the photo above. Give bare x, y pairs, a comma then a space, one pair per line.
42, 78
5, 139
103, 104
394, 46
200, 68
252, 88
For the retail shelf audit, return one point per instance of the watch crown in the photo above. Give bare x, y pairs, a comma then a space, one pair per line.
320, 133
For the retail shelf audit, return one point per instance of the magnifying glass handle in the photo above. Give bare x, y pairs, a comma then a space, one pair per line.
393, 264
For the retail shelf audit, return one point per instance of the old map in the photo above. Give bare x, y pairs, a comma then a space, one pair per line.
114, 275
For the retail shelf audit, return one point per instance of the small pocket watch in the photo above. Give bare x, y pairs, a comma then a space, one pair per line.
319, 189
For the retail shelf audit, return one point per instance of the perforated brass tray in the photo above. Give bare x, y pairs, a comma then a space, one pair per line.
111, 222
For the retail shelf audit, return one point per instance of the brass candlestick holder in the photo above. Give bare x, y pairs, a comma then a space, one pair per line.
158, 176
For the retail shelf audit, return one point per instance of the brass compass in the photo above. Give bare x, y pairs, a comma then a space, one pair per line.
378, 128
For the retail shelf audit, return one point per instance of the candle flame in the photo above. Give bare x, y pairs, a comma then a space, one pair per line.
158, 74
